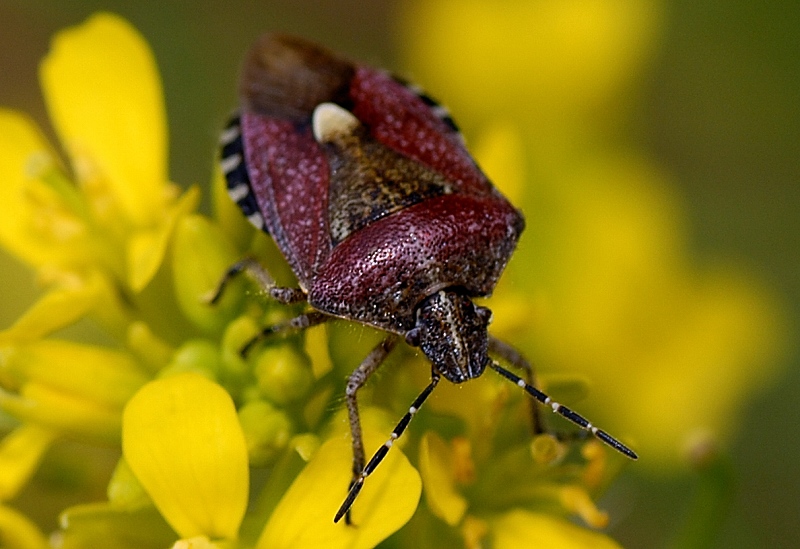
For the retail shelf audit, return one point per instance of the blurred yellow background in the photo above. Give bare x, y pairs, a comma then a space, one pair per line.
656, 151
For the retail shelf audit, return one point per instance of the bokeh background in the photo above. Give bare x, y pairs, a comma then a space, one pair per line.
706, 91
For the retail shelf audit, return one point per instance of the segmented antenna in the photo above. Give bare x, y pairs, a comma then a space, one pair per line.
571, 415
358, 483
574, 417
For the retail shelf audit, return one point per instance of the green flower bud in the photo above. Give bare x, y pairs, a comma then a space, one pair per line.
283, 374
267, 431
545, 449
199, 356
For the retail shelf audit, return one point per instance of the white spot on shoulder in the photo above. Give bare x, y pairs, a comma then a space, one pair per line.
330, 120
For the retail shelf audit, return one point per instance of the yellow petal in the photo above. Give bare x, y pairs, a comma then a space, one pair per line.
146, 248
518, 529
20, 454
152, 351
99, 375
56, 309
627, 308
723, 347
103, 92
20, 143
304, 517
576, 500
436, 468
59, 411
19, 532
182, 439
124, 490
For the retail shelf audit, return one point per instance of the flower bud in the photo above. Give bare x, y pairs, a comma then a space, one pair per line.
266, 430
199, 356
283, 374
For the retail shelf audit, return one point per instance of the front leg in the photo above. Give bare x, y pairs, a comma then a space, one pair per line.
357, 380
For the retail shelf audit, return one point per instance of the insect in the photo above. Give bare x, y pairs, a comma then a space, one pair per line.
365, 184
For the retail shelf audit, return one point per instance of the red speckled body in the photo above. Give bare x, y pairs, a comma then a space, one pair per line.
380, 273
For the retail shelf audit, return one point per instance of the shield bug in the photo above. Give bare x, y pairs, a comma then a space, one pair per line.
365, 184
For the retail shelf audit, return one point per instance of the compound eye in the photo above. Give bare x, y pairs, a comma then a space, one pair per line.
484, 314
413, 337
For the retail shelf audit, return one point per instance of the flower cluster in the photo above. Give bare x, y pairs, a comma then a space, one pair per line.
212, 449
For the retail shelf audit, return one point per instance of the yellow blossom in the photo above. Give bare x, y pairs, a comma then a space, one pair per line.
183, 441
101, 118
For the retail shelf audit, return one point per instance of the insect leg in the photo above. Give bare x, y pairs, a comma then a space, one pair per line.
261, 275
557, 408
357, 380
515, 358
358, 482
293, 325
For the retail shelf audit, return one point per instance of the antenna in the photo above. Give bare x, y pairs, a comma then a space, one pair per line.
571, 415
574, 417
